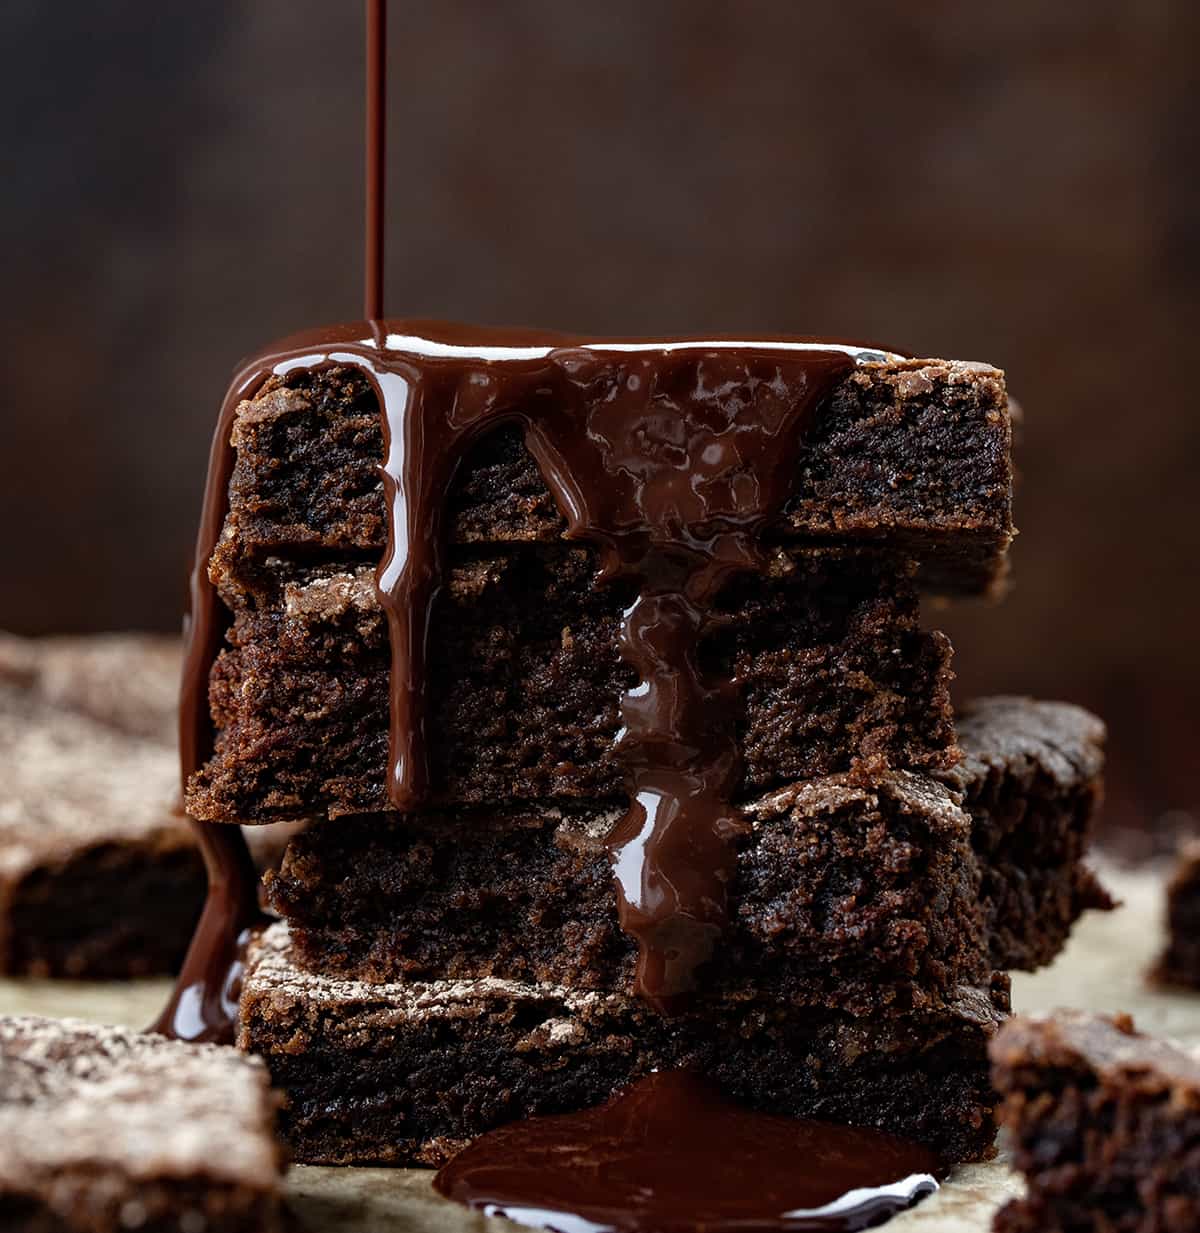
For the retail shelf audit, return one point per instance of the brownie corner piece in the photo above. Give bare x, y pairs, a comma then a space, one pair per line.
105, 1129
1031, 779
929, 445
1104, 1123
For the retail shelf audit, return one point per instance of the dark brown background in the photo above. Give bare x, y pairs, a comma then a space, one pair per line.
1013, 182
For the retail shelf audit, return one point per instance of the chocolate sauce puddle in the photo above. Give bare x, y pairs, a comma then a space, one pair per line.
671, 457
670, 1155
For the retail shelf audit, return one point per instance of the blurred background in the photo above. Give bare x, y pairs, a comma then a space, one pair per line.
1011, 182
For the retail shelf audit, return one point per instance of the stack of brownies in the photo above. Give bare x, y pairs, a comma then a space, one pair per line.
440, 972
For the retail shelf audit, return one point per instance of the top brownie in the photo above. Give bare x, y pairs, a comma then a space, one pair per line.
913, 454
903, 481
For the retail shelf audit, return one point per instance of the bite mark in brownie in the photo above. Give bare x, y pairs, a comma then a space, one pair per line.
407, 1073
108, 1130
1030, 777
1103, 1121
833, 672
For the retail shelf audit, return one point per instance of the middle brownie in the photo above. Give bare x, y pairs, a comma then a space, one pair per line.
851, 895
834, 675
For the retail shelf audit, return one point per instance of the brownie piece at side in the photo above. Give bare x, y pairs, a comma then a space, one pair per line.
1180, 960
911, 453
859, 896
98, 878
1031, 780
1104, 1123
833, 667
104, 1129
128, 681
407, 1073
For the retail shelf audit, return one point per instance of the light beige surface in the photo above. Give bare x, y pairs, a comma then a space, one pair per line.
1102, 969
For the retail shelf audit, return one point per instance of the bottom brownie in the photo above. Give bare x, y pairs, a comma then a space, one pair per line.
408, 1073
1104, 1123
103, 1130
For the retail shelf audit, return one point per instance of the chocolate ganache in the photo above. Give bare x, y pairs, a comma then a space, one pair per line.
672, 457
670, 1155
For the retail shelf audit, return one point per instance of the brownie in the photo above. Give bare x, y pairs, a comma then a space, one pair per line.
862, 896
128, 681
1180, 960
104, 1129
1031, 780
911, 453
98, 877
864, 892
833, 668
1103, 1121
406, 1073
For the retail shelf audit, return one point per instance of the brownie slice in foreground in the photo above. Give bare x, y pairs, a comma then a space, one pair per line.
1031, 780
1104, 1123
833, 671
103, 1129
98, 878
407, 1073
858, 894
1180, 960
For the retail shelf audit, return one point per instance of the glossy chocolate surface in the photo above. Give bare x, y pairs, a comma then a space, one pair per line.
669, 1155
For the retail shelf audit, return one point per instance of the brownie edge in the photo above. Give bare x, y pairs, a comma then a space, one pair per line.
1104, 1123
104, 1130
407, 1073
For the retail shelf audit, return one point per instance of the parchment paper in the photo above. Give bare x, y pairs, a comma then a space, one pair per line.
1103, 968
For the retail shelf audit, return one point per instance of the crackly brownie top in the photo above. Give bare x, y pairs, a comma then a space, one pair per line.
1108, 1046
1021, 737
67, 781
81, 1097
128, 681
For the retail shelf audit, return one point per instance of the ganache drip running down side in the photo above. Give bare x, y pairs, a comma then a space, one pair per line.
671, 458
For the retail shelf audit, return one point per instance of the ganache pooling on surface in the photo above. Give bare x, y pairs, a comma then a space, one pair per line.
671, 457
670, 1155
